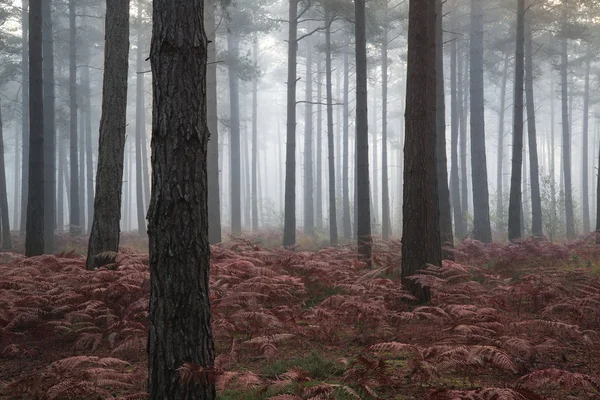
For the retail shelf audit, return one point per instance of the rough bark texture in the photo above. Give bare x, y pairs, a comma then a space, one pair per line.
333, 231
140, 124
442, 160
534, 174
566, 130
363, 219
421, 243
234, 140
482, 229
289, 227
454, 130
180, 330
25, 115
4, 220
34, 235
49, 129
345, 167
309, 214
514, 207
73, 152
214, 199
105, 229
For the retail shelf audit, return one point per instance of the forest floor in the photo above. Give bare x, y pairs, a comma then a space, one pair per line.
505, 322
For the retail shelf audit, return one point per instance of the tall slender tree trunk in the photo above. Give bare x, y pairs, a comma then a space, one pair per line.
514, 208
570, 218
140, 124
338, 137
81, 151
462, 114
386, 228
60, 197
73, 153
500, 211
25, 115
421, 243
281, 168
445, 209
363, 225
585, 196
255, 196
16, 193
375, 161
309, 214
126, 204
49, 129
534, 170
552, 150
6, 239
234, 137
345, 166
87, 126
104, 235
460, 231
34, 235
180, 324
333, 231
482, 229
214, 201
246, 138
319, 173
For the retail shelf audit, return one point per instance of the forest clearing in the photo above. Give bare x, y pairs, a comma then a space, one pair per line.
505, 322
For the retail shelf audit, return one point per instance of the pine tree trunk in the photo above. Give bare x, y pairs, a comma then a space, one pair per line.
309, 216
319, 172
74, 194
585, 196
126, 189
345, 167
421, 243
245, 139
105, 228
17, 166
515, 222
255, 140
140, 124
6, 239
536, 198
445, 209
500, 211
454, 130
333, 231
482, 229
462, 114
386, 229
234, 138
60, 202
25, 116
81, 151
87, 127
375, 162
180, 330
363, 224
566, 145
49, 128
34, 235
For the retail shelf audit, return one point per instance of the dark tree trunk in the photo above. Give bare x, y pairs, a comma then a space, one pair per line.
319, 173
180, 330
6, 240
386, 229
374, 180
140, 124
105, 228
87, 111
482, 229
126, 204
34, 235
81, 150
421, 244
60, 202
363, 219
566, 145
333, 231
234, 140
73, 153
462, 114
514, 208
16, 193
445, 210
536, 198
585, 196
289, 228
214, 201
460, 231
245, 140
500, 211
345, 171
49, 129
255, 196
25, 116
309, 214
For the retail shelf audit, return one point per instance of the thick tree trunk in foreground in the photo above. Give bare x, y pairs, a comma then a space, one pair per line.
34, 235
105, 229
180, 331
4, 220
482, 229
214, 200
421, 244
73, 153
25, 116
514, 207
49, 129
333, 231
